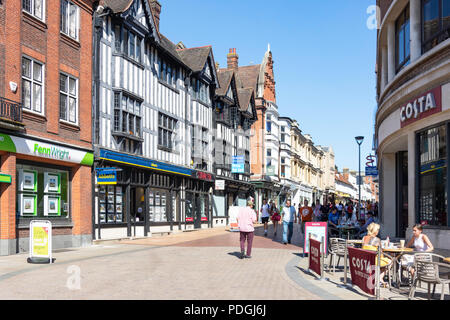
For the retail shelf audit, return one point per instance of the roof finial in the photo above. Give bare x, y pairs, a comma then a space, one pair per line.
268, 47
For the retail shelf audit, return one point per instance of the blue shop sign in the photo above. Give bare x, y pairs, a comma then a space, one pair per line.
238, 164
106, 176
372, 171
143, 163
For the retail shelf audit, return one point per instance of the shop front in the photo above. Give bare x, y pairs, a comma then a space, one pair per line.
43, 180
414, 178
149, 197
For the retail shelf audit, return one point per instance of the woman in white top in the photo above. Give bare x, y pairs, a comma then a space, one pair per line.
420, 242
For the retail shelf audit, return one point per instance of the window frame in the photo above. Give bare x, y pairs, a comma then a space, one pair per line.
437, 35
32, 81
32, 11
166, 131
68, 22
406, 59
69, 95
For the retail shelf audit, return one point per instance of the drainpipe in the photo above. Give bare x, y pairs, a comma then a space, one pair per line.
97, 25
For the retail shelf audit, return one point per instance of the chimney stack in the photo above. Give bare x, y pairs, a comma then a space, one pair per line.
155, 7
232, 59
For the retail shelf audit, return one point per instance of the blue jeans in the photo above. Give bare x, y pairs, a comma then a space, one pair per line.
288, 230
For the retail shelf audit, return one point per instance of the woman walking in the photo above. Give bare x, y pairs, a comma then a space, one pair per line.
246, 218
275, 218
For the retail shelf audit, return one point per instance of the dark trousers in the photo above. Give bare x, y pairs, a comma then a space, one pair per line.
249, 237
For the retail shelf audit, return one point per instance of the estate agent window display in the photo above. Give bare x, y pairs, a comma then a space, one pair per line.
111, 208
42, 192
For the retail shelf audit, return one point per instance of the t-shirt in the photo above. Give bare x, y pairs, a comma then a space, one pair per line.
265, 211
334, 218
246, 218
324, 209
289, 214
306, 214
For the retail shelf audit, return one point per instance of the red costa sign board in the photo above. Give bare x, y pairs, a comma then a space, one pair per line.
362, 269
314, 256
204, 176
423, 106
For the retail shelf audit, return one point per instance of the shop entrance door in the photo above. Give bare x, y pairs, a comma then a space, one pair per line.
402, 193
137, 208
198, 212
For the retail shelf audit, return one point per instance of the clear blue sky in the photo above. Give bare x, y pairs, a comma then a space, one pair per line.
324, 55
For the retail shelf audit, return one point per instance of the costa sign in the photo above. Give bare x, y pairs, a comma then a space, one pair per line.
425, 105
362, 269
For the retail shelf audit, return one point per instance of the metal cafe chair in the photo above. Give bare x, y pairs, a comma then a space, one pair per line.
337, 249
429, 272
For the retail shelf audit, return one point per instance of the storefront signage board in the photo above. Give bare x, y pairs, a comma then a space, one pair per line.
40, 240
421, 107
106, 177
238, 164
40, 149
220, 185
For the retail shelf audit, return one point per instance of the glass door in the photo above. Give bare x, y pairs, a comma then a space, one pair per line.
402, 193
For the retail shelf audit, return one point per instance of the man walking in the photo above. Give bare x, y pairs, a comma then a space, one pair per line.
246, 218
265, 215
288, 217
305, 215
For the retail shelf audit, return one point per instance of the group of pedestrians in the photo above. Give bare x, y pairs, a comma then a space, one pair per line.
288, 215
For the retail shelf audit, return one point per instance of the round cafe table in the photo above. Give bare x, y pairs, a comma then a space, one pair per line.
396, 252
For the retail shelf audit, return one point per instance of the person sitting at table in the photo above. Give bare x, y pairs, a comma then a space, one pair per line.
371, 242
333, 221
343, 218
363, 230
419, 242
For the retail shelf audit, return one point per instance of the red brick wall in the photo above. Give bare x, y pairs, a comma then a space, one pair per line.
8, 197
22, 34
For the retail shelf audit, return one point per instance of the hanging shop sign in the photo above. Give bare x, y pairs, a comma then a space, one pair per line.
371, 171
143, 163
40, 241
423, 106
220, 185
5, 178
106, 176
41, 149
238, 164
203, 176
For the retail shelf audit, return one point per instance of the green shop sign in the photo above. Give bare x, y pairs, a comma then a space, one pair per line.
44, 150
5, 178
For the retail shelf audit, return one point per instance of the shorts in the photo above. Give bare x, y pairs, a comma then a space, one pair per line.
265, 220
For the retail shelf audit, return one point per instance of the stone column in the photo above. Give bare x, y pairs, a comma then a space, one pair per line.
388, 189
415, 29
411, 182
391, 50
384, 67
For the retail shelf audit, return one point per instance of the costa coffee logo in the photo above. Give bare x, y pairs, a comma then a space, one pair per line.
427, 104
204, 176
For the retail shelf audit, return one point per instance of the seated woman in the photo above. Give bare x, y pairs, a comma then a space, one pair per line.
371, 242
420, 242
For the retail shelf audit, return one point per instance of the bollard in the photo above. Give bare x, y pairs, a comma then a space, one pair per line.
377, 276
322, 248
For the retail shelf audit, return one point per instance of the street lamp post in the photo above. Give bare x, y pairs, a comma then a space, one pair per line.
359, 141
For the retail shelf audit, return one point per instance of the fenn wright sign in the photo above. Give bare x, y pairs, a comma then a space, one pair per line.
423, 106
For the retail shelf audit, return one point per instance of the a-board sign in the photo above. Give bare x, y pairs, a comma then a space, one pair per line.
314, 256
362, 269
317, 230
40, 240
233, 213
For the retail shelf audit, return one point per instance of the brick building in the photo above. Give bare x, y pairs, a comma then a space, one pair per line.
45, 121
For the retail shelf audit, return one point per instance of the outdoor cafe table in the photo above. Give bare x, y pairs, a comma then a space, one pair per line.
447, 260
355, 241
347, 229
397, 252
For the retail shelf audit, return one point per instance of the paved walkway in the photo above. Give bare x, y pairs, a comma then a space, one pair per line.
200, 265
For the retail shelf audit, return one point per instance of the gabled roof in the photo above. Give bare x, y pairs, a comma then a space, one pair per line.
170, 47
224, 77
248, 76
245, 95
195, 58
117, 6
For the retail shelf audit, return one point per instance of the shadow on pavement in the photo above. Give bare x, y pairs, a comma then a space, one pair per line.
237, 254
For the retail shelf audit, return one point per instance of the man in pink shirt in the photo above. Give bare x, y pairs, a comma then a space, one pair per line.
246, 219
